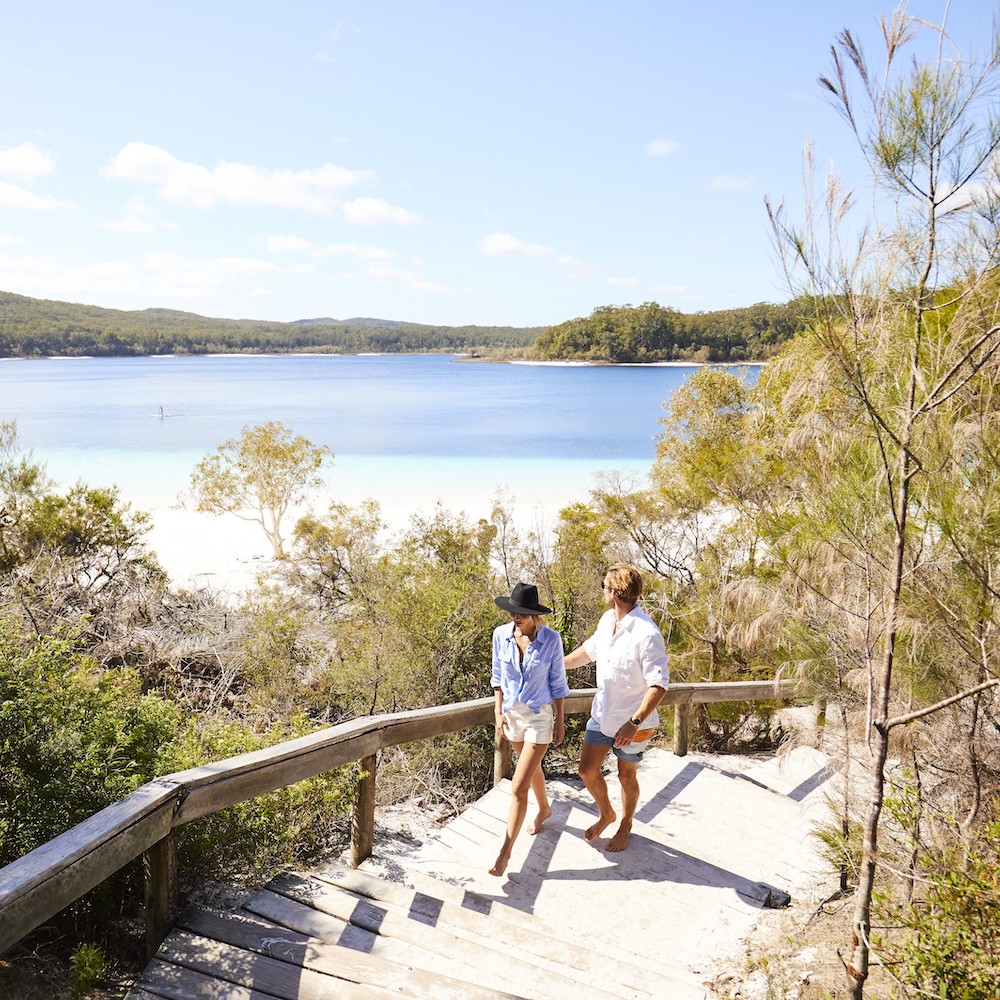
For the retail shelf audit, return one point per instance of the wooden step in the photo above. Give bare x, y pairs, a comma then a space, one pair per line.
441, 904
711, 841
710, 848
497, 959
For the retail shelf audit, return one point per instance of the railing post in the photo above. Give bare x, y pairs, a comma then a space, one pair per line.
159, 865
819, 718
363, 823
503, 758
680, 730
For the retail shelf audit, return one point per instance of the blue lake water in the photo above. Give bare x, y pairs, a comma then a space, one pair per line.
407, 430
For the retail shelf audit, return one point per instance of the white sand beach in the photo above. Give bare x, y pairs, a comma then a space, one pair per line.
228, 554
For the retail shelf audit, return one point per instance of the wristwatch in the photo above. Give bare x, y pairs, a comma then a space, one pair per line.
637, 722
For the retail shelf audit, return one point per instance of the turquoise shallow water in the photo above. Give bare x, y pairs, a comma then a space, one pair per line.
407, 430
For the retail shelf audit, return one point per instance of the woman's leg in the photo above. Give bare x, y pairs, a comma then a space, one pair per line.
529, 760
541, 797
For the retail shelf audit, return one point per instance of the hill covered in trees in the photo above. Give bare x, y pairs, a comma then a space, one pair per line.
43, 327
650, 332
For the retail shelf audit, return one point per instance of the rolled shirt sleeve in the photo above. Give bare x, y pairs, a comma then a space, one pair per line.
629, 661
539, 679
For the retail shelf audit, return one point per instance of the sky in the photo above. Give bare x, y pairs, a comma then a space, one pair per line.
447, 162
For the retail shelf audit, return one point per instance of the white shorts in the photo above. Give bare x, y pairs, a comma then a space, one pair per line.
522, 725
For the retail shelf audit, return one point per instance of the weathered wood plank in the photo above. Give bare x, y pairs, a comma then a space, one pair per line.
363, 820
302, 917
167, 981
490, 956
711, 693
161, 890
520, 929
268, 938
256, 971
53, 876
227, 787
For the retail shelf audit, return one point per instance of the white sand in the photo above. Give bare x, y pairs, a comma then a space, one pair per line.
227, 554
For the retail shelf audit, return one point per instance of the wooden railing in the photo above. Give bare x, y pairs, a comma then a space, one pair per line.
55, 875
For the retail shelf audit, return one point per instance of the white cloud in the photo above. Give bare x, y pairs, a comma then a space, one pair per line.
26, 160
729, 182
662, 147
295, 244
289, 244
409, 279
375, 211
624, 282
354, 250
191, 184
12, 196
140, 218
505, 245
160, 278
6, 239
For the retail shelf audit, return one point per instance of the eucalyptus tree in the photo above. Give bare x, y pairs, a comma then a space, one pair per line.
259, 476
907, 327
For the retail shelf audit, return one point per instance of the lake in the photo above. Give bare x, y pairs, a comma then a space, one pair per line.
407, 430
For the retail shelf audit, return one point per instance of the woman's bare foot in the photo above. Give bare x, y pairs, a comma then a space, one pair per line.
500, 865
593, 832
621, 838
539, 820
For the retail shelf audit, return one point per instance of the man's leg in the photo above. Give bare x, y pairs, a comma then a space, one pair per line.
591, 758
629, 779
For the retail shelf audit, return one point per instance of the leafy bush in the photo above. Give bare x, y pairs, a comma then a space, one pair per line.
73, 739
253, 838
948, 945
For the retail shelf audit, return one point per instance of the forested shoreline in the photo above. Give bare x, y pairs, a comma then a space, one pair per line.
38, 328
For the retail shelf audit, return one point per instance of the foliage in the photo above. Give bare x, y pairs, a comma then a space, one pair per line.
73, 739
88, 967
258, 476
44, 328
650, 332
252, 839
944, 942
907, 331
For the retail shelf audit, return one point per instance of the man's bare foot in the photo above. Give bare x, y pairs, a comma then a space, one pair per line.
593, 832
500, 865
539, 821
620, 840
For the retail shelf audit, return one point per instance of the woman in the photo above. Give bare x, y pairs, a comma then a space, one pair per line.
529, 684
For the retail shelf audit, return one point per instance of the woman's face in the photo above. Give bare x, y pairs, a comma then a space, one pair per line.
525, 624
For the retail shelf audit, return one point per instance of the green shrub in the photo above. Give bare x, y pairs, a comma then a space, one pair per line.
254, 838
87, 967
73, 739
947, 943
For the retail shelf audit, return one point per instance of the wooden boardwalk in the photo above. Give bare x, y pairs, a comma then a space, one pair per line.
714, 849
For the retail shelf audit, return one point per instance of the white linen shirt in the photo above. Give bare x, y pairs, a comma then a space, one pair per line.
629, 662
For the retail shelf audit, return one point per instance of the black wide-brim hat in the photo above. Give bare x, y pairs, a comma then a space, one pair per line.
523, 600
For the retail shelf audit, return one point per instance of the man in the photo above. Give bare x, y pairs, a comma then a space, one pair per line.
632, 678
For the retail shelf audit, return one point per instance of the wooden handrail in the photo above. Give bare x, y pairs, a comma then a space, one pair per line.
56, 874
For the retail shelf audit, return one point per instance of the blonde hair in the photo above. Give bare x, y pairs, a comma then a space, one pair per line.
625, 581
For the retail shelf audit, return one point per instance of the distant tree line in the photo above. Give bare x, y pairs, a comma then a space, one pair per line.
42, 328
652, 332
35, 328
